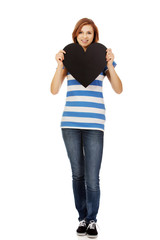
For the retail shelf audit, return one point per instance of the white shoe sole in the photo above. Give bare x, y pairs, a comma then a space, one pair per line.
90, 236
81, 234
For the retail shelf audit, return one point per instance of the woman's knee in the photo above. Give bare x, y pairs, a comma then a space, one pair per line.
92, 184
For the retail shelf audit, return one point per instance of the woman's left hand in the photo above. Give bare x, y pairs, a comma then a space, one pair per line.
109, 57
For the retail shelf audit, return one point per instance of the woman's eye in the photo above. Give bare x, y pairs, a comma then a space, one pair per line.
87, 32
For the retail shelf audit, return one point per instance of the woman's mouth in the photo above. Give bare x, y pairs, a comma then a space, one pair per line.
84, 41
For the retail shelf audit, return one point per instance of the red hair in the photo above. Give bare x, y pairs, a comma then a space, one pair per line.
80, 24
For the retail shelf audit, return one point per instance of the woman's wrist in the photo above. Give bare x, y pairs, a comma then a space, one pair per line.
110, 67
60, 66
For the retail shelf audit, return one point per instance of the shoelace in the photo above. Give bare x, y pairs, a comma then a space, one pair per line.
92, 225
82, 223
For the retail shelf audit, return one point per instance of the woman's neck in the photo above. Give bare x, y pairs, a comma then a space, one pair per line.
84, 49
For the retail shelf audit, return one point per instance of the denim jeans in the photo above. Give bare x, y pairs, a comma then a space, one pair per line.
85, 148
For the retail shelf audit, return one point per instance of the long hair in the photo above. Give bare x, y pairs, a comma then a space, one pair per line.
80, 24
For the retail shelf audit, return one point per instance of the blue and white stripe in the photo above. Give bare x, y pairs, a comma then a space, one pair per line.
84, 107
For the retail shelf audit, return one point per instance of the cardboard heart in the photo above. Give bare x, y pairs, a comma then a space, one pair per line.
85, 66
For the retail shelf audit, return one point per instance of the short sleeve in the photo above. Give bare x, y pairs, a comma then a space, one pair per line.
66, 69
106, 68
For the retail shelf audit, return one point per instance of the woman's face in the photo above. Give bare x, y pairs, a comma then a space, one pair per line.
85, 36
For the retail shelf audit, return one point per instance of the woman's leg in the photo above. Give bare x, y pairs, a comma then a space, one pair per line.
74, 146
93, 150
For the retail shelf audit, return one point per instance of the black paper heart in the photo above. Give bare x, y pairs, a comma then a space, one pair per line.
85, 66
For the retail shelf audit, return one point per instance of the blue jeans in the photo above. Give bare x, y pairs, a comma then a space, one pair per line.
85, 149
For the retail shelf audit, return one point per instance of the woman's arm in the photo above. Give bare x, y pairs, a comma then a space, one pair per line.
111, 73
59, 74
58, 79
114, 79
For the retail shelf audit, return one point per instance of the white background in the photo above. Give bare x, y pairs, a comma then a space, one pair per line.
36, 200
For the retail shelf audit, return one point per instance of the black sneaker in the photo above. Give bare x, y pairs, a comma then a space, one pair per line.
81, 231
91, 230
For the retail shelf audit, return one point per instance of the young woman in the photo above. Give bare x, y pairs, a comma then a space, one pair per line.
82, 127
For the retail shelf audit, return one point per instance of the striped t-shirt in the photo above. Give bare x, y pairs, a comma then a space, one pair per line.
84, 108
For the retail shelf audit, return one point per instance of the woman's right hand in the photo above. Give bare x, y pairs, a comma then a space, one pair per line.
60, 57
